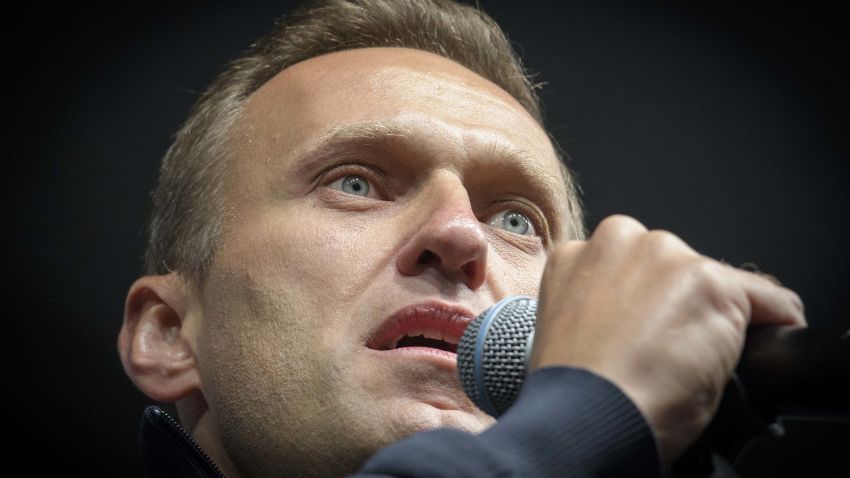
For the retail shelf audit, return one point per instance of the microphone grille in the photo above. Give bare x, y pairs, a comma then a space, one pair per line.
492, 354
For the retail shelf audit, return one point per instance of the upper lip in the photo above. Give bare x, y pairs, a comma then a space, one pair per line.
426, 318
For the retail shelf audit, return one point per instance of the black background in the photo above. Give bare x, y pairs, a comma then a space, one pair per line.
726, 124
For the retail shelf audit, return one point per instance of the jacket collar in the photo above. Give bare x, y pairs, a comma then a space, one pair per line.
168, 450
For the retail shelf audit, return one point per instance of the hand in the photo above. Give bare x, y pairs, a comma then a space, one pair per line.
662, 322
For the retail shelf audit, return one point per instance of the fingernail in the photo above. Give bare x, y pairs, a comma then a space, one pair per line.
798, 303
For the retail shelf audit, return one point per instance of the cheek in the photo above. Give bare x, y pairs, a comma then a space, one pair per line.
312, 250
515, 272
276, 304
283, 288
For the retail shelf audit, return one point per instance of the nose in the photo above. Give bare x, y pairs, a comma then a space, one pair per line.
449, 239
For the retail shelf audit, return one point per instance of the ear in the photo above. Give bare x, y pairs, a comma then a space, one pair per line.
155, 342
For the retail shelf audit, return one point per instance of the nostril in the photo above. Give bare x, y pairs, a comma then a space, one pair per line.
427, 257
469, 268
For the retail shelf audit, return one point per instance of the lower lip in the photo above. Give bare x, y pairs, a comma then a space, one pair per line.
443, 357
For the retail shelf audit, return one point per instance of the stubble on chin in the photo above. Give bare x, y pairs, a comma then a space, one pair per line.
418, 417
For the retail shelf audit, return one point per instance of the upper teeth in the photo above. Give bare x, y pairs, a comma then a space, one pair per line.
429, 334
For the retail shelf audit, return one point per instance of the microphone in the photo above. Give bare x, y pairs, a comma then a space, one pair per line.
782, 368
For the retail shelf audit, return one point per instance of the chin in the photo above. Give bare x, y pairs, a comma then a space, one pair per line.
470, 423
424, 416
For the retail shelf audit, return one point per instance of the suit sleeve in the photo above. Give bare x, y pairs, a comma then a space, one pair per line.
567, 422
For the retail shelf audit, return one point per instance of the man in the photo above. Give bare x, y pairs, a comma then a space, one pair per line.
340, 203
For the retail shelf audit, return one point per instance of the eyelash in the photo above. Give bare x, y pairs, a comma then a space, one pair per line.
335, 173
533, 216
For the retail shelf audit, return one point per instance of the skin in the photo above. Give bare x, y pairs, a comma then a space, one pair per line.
305, 272
267, 360
664, 323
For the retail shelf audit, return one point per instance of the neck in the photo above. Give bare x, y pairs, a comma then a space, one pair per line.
196, 418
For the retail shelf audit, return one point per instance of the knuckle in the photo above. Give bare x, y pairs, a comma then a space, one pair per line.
658, 240
713, 282
617, 226
565, 252
707, 274
705, 279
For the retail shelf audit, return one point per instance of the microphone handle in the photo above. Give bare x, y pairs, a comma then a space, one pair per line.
790, 369
788, 376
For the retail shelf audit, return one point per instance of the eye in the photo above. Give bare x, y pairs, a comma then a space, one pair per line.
513, 221
352, 184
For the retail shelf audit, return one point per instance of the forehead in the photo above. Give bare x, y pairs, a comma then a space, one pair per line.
380, 83
434, 104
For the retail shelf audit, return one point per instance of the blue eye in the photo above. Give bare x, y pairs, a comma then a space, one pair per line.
513, 221
352, 184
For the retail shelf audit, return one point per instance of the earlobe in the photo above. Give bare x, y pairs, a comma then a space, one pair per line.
154, 345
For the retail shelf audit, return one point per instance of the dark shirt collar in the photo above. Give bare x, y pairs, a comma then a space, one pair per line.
168, 450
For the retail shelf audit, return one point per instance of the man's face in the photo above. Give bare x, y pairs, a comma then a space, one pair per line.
374, 193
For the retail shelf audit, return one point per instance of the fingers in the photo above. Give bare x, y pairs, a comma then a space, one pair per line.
614, 230
618, 236
560, 264
663, 322
770, 304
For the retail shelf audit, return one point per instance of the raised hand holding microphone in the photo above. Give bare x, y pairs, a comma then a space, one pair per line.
662, 322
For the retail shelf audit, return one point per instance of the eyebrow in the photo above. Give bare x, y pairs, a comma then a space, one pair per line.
517, 160
353, 141
371, 130
538, 182
346, 141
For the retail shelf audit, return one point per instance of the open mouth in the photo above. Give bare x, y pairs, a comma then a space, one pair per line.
429, 339
430, 325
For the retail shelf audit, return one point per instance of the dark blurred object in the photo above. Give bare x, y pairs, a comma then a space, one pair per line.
797, 370
785, 413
